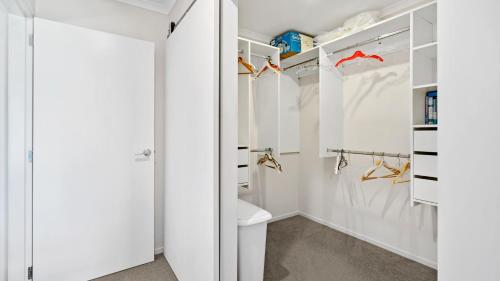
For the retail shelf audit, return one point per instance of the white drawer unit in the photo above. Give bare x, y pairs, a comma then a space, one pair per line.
242, 156
243, 175
425, 165
425, 141
425, 190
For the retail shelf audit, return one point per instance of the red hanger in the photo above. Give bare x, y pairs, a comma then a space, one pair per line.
359, 54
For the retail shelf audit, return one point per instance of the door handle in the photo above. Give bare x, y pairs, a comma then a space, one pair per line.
146, 153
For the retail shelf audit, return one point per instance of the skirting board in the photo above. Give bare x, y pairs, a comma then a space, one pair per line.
284, 216
426, 262
158, 250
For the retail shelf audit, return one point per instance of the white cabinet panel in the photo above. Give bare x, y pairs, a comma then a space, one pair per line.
289, 113
425, 190
425, 165
191, 228
265, 102
331, 112
266, 112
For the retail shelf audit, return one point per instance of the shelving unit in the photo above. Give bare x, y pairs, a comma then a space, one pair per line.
262, 95
422, 24
423, 80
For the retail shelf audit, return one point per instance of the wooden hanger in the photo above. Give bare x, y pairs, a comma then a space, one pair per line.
270, 158
359, 54
405, 169
367, 175
276, 69
247, 65
394, 171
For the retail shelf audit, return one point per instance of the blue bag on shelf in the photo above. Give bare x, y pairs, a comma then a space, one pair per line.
292, 43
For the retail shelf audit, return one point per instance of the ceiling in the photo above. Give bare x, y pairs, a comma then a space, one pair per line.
162, 6
270, 18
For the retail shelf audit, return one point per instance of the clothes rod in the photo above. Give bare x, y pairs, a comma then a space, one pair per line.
298, 64
369, 153
366, 42
268, 150
263, 57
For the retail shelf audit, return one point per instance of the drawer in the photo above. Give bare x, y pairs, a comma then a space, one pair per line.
243, 175
425, 141
425, 190
242, 157
425, 165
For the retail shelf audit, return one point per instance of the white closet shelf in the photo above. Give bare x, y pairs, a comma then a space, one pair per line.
389, 25
424, 46
300, 58
425, 202
428, 51
386, 26
259, 48
426, 87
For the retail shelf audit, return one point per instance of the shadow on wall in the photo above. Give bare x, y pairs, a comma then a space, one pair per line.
378, 119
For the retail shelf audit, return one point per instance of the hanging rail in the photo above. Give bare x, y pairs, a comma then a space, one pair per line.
241, 51
260, 56
384, 36
366, 42
267, 150
369, 153
300, 63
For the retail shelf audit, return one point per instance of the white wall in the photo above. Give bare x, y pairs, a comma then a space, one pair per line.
116, 17
3, 143
469, 193
275, 192
377, 117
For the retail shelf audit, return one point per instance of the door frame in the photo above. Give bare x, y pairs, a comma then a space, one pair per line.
19, 138
228, 140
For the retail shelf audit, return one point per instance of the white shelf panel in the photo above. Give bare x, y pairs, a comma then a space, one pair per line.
428, 51
380, 28
424, 46
300, 58
259, 48
425, 202
431, 86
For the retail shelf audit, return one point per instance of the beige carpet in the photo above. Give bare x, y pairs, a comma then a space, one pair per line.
159, 270
299, 249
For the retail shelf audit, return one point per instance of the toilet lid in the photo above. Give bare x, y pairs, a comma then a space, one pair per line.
249, 214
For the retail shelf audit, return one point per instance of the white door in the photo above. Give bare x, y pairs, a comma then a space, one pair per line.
93, 198
191, 174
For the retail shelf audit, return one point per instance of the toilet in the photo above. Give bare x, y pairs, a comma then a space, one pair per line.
252, 228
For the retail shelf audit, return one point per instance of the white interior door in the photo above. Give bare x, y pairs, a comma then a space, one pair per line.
191, 160
93, 196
